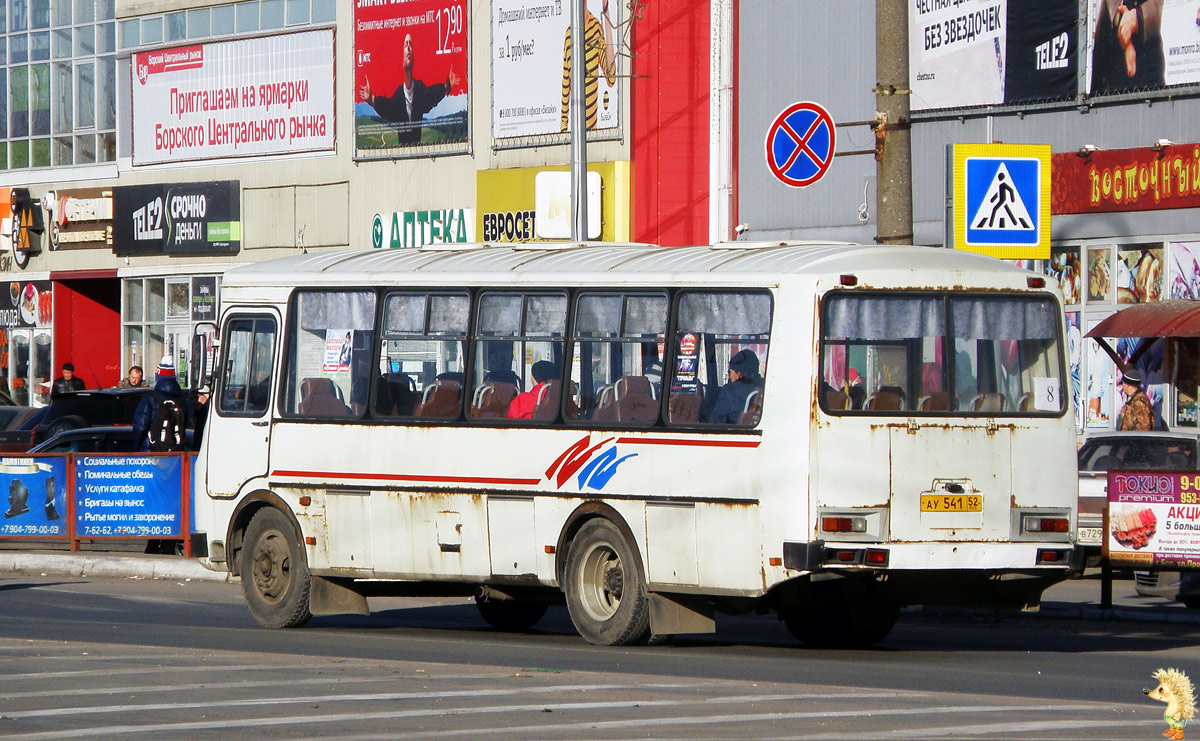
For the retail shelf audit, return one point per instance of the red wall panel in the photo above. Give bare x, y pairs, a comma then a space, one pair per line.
87, 329
670, 112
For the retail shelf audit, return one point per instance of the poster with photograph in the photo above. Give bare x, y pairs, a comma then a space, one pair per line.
987, 52
1164, 50
531, 63
1100, 370
1139, 275
1099, 274
1185, 270
410, 74
1064, 267
1075, 351
339, 344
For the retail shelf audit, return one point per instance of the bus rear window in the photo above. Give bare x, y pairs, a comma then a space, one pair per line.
958, 354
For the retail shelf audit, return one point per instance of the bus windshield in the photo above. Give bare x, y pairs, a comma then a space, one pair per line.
941, 355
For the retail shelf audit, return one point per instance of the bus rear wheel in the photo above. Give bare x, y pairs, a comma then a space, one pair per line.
842, 615
275, 578
605, 594
510, 615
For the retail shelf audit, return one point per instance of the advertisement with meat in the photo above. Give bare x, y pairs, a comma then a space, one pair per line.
410, 75
251, 97
531, 63
1153, 518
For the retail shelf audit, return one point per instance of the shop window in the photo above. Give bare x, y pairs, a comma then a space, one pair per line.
1187, 382
1064, 267
1099, 274
1139, 273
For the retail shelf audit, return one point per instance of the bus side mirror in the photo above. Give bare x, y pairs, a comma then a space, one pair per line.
204, 355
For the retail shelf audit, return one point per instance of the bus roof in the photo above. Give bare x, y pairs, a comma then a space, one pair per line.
773, 259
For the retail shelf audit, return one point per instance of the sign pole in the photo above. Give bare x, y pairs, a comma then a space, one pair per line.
577, 120
893, 150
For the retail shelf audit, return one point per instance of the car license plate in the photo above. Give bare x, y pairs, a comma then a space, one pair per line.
951, 503
1088, 535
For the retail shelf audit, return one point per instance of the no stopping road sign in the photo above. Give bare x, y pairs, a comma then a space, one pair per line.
800, 144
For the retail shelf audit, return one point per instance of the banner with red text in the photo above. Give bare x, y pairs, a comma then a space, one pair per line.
251, 97
1139, 179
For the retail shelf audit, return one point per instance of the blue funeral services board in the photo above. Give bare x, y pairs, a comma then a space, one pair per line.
136, 496
37, 496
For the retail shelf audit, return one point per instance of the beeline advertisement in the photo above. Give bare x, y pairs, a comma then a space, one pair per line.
251, 97
410, 74
177, 218
988, 52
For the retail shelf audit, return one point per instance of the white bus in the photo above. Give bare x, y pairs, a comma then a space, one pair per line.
543, 423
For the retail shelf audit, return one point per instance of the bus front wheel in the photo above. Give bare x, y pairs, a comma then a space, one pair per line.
510, 615
605, 595
275, 578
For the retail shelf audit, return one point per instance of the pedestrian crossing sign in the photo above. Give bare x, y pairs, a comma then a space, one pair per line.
1001, 199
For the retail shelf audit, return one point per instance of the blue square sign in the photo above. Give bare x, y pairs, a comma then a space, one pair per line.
1002, 198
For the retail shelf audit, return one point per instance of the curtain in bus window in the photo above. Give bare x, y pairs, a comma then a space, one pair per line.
616, 371
329, 365
884, 317
1003, 319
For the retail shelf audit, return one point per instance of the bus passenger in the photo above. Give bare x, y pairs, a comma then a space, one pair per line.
743, 379
523, 404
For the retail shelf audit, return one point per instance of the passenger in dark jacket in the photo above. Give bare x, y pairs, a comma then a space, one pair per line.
67, 382
743, 380
165, 386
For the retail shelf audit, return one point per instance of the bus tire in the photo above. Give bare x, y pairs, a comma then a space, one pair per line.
275, 578
835, 619
510, 615
605, 594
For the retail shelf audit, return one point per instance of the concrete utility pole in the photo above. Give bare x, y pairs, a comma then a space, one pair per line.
893, 146
577, 123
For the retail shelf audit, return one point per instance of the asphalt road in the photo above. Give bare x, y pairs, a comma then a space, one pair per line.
123, 658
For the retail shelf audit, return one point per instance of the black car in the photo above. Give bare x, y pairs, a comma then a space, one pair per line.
78, 409
89, 440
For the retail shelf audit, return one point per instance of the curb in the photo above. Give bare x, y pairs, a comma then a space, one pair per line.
108, 565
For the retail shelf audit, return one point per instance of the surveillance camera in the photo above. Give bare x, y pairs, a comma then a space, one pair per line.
741, 229
1088, 148
1162, 144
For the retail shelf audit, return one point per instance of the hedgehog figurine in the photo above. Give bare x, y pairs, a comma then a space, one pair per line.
1175, 689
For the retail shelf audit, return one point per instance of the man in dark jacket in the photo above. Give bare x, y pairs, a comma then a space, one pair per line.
165, 387
743, 380
67, 382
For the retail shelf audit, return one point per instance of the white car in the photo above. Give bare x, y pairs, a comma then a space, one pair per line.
1125, 451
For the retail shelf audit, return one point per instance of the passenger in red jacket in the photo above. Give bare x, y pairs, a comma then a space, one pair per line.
523, 404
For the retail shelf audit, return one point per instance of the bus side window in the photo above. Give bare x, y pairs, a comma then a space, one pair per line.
721, 352
424, 341
519, 351
249, 358
619, 346
330, 334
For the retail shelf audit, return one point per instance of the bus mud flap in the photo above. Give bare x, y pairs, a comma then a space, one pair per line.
329, 597
675, 613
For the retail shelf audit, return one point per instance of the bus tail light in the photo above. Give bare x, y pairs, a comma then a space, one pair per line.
876, 557
1035, 524
1036, 282
1052, 555
846, 556
848, 280
844, 524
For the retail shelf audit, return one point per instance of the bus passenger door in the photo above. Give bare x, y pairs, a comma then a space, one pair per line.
239, 426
